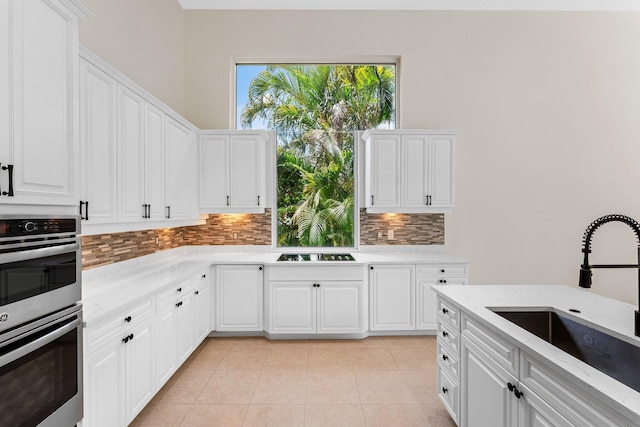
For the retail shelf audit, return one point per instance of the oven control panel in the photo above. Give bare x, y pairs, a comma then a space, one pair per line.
12, 227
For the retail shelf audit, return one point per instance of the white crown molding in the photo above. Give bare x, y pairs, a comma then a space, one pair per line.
514, 5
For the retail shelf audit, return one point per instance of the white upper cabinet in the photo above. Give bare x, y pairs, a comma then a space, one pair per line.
98, 93
232, 171
154, 148
130, 156
39, 163
384, 163
138, 156
180, 171
409, 171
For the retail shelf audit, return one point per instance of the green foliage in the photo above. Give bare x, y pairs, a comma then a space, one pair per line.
314, 110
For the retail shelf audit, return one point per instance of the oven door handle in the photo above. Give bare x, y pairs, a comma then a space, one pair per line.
38, 253
39, 342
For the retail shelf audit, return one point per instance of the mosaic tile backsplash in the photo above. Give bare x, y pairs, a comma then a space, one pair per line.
251, 229
408, 229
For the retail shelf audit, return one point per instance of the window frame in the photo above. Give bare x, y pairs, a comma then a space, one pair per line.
358, 143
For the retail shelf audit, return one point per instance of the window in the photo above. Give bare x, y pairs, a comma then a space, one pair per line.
315, 110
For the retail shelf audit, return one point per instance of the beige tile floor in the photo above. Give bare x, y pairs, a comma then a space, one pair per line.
378, 381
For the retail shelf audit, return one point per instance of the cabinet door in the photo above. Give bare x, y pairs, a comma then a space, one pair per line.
104, 387
292, 308
214, 171
140, 368
154, 162
441, 171
5, 90
98, 143
180, 162
384, 175
166, 343
130, 155
202, 307
239, 298
186, 328
246, 167
392, 301
415, 154
485, 397
43, 67
535, 412
340, 307
426, 304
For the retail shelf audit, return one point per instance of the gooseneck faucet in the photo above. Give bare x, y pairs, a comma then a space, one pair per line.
585, 268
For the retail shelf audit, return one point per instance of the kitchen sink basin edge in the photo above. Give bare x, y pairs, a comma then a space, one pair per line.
607, 351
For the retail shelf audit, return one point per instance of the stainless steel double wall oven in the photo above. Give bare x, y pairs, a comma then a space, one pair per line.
40, 321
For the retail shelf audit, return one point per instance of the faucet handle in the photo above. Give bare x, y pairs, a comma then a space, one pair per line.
585, 276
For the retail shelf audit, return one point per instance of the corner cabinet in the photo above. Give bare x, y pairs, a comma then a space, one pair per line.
409, 171
39, 163
232, 171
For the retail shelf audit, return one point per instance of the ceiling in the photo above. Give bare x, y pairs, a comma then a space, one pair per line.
550, 5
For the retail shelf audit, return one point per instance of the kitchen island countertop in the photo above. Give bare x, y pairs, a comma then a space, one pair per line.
602, 313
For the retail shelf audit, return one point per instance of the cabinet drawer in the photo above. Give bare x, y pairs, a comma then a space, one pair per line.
569, 399
505, 353
317, 272
449, 392
169, 294
442, 270
448, 313
449, 337
115, 326
449, 361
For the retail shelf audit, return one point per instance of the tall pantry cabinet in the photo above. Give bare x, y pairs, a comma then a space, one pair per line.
38, 108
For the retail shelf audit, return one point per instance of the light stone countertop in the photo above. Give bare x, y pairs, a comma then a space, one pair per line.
602, 313
113, 287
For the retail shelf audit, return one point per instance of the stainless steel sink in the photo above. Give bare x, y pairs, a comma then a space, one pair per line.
608, 354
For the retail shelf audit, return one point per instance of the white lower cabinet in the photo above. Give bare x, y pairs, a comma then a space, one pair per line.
130, 355
202, 306
340, 307
239, 297
292, 307
498, 384
166, 344
487, 390
316, 300
104, 393
392, 301
120, 367
402, 298
535, 412
139, 368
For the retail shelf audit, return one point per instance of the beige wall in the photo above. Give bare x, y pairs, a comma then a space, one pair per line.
142, 38
547, 105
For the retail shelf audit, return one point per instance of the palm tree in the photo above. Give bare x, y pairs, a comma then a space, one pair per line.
314, 109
